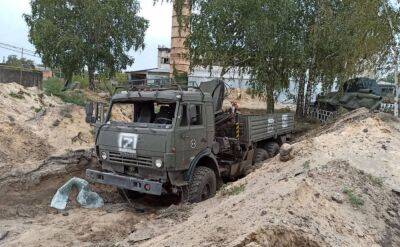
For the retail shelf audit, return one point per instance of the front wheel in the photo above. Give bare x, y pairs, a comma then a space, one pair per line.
202, 186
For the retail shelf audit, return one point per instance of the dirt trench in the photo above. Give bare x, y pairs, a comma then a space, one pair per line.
27, 194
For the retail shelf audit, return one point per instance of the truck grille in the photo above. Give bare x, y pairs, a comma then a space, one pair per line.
128, 159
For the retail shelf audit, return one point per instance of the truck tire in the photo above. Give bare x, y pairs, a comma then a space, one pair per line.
260, 155
130, 194
202, 186
272, 148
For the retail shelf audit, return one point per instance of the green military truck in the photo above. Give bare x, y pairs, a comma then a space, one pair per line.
161, 140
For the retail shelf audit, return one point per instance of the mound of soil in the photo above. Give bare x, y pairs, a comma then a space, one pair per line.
34, 126
339, 189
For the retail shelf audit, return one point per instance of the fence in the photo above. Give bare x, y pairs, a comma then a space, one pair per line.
25, 77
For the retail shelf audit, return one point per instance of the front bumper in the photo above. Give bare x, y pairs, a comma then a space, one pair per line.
125, 182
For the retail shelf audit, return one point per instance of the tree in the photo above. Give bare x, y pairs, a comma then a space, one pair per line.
92, 34
13, 60
256, 36
340, 40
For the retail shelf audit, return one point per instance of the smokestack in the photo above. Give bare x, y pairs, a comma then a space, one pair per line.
179, 64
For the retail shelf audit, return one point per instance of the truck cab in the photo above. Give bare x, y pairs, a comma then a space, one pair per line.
149, 139
160, 141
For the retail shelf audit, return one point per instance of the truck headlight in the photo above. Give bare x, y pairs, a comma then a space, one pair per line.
159, 163
103, 155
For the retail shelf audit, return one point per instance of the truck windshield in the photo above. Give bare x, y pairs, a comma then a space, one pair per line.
145, 113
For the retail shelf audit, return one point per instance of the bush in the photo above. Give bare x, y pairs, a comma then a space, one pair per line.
354, 199
234, 190
82, 79
54, 86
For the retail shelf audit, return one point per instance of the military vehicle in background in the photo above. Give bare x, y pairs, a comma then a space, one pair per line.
388, 93
168, 139
355, 93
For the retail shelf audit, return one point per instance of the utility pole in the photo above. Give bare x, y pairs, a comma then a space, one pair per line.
395, 51
22, 57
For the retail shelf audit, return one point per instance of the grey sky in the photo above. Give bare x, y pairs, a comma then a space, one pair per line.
14, 31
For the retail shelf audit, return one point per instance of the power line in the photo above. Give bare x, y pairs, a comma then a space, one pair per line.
18, 49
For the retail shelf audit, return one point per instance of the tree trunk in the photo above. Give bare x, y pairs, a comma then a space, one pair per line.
270, 98
307, 100
68, 78
300, 97
91, 78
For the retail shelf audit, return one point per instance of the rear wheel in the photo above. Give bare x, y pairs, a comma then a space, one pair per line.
272, 148
202, 186
260, 155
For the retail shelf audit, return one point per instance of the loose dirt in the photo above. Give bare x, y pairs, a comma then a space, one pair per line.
34, 126
340, 189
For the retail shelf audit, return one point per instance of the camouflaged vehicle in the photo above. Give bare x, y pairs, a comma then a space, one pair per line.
357, 93
173, 140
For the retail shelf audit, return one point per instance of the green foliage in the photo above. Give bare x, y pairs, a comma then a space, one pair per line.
96, 34
376, 181
54, 86
318, 41
83, 80
16, 95
37, 110
306, 165
14, 61
233, 190
354, 199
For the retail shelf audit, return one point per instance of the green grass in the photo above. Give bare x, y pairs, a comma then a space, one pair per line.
16, 95
235, 190
37, 110
54, 86
306, 165
376, 181
354, 199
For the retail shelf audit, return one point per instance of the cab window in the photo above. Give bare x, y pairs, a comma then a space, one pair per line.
191, 114
196, 116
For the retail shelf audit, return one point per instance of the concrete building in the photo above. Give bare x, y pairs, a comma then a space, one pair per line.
233, 78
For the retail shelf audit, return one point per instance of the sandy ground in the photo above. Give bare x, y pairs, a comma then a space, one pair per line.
252, 105
340, 189
302, 202
34, 126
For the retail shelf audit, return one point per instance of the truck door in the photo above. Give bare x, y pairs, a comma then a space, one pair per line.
190, 137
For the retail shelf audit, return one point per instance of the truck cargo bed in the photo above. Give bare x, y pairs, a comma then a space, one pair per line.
255, 128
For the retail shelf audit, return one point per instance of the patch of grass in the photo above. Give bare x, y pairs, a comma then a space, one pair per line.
354, 199
37, 110
54, 87
83, 80
16, 95
306, 165
235, 190
376, 181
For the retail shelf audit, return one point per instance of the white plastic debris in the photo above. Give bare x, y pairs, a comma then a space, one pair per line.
86, 198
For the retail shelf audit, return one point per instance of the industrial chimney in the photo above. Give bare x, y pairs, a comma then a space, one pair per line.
179, 63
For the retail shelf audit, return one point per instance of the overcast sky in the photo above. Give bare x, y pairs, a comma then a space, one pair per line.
13, 29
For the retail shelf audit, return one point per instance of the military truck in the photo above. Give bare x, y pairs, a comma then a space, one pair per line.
162, 140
